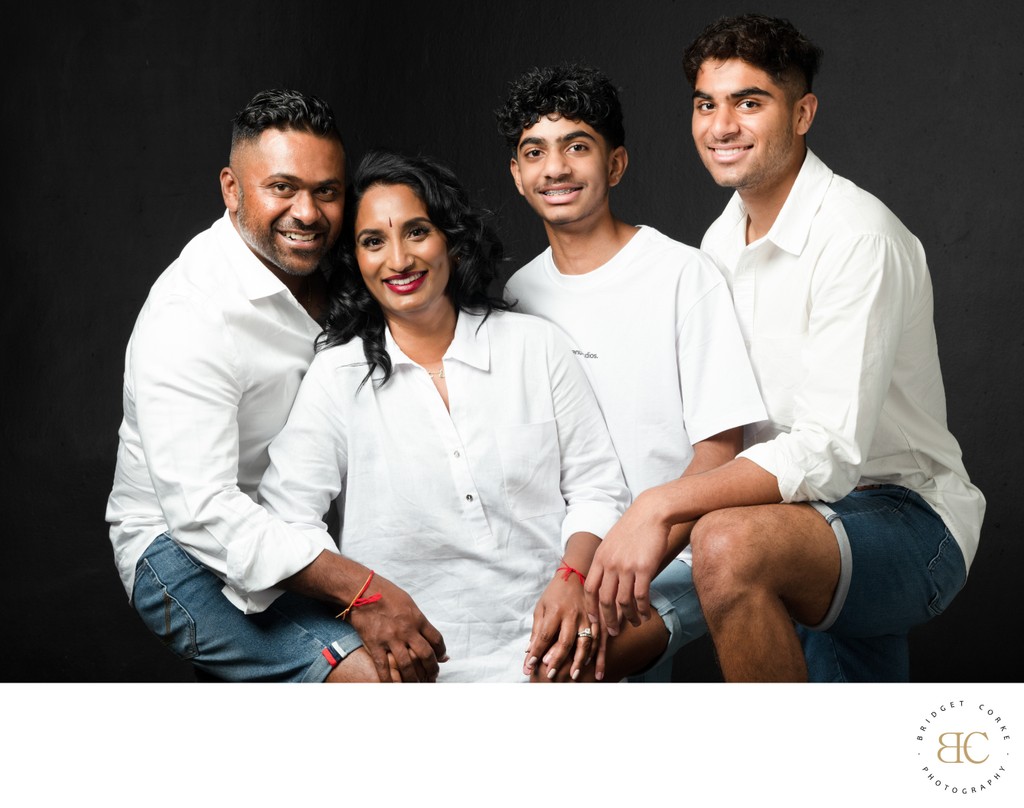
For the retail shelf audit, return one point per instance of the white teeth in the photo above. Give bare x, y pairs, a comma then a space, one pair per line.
728, 152
559, 192
299, 236
405, 281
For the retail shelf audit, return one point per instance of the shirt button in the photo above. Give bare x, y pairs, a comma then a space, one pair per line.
457, 453
469, 497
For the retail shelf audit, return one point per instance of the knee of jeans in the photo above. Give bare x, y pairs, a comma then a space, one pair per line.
162, 613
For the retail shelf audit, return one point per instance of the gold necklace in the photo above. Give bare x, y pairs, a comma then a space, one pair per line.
436, 374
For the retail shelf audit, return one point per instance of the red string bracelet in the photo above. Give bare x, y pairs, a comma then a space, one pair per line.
569, 572
359, 600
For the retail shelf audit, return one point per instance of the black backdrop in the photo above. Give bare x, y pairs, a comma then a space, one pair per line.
117, 119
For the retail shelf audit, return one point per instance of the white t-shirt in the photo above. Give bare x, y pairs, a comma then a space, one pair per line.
655, 330
468, 509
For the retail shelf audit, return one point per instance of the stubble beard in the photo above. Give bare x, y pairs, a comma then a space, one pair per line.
263, 242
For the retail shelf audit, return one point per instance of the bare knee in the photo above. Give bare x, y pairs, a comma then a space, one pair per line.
356, 667
636, 648
728, 556
725, 544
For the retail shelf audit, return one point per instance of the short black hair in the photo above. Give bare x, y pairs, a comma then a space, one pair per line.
570, 90
771, 44
283, 109
474, 250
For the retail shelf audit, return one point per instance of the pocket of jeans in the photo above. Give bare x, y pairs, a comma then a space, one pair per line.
162, 613
949, 573
531, 468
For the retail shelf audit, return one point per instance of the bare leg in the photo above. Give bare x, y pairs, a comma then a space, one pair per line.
757, 569
356, 667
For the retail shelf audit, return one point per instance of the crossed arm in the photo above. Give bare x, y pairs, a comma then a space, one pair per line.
657, 526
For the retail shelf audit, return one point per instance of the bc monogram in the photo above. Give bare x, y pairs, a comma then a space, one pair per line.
961, 745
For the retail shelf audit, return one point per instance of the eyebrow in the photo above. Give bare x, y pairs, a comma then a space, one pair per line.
376, 231
744, 93
574, 135
278, 177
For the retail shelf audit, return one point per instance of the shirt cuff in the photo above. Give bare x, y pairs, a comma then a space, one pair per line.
596, 519
255, 565
767, 456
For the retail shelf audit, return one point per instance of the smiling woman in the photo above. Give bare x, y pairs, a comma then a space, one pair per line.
403, 256
476, 466
416, 253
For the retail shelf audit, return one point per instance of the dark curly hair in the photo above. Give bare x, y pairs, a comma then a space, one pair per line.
474, 250
283, 109
771, 44
571, 90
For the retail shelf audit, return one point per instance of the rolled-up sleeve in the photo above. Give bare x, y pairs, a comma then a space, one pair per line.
859, 296
189, 382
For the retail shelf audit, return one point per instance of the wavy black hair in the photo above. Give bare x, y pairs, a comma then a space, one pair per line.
474, 251
283, 109
771, 44
571, 90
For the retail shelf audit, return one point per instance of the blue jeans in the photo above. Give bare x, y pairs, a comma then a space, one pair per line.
900, 566
675, 599
295, 639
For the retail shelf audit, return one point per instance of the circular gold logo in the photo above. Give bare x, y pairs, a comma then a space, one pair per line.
963, 747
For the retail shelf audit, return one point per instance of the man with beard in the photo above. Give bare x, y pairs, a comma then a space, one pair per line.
211, 369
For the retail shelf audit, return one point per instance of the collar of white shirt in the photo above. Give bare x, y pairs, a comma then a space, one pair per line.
253, 276
470, 344
792, 226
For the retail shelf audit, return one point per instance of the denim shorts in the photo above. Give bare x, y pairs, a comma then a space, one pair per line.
674, 598
296, 639
899, 567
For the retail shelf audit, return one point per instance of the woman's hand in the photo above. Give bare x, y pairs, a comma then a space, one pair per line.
563, 640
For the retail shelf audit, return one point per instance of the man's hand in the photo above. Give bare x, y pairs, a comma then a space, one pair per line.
618, 587
643, 541
397, 635
392, 625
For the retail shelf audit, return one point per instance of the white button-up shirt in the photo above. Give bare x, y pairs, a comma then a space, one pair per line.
835, 304
211, 370
467, 510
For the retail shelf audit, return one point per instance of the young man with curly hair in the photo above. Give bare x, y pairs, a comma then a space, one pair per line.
649, 318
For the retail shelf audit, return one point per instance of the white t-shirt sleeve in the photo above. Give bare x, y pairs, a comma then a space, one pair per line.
592, 484
718, 385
